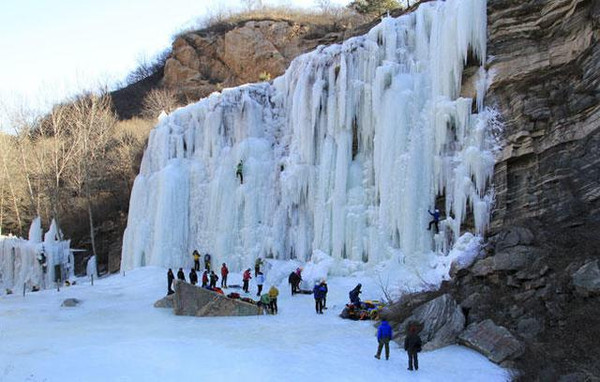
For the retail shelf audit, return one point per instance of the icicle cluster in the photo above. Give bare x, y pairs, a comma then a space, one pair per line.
20, 258
344, 153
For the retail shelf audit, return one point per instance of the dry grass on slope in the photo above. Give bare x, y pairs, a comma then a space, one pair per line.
333, 18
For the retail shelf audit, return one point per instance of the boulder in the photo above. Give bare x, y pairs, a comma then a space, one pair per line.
587, 279
513, 236
483, 267
515, 258
165, 302
442, 321
70, 302
493, 341
192, 300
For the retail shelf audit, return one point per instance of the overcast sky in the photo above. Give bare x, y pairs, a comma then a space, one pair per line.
50, 48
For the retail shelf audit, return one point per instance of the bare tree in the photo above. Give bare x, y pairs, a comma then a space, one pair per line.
8, 179
159, 100
92, 121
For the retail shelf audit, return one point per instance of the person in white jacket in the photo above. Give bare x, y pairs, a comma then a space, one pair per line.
260, 280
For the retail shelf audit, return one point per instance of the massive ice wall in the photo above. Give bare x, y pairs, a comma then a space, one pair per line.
344, 153
19, 258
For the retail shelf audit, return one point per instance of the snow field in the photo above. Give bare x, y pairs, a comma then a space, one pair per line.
116, 334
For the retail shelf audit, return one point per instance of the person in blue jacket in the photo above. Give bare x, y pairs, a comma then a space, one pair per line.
435, 220
384, 336
319, 293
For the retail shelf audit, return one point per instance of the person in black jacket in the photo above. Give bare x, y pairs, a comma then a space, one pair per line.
180, 274
213, 279
193, 277
354, 295
294, 280
412, 345
326, 289
170, 278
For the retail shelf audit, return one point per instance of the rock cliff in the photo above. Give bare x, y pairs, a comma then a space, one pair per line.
233, 54
545, 63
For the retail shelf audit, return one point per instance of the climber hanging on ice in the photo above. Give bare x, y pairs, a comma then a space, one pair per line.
240, 171
435, 220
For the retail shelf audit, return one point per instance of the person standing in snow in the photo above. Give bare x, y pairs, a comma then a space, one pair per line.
435, 220
240, 171
207, 262
170, 278
384, 335
319, 292
260, 280
246, 279
196, 256
326, 289
354, 295
224, 273
273, 293
213, 279
193, 277
180, 274
294, 280
257, 263
412, 345
204, 279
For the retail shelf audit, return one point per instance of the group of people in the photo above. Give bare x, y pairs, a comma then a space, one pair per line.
209, 277
260, 277
268, 301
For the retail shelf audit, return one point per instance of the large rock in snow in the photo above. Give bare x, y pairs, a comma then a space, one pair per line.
191, 300
442, 321
165, 302
493, 341
587, 279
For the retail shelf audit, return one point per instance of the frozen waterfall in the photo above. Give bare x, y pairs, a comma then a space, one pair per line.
21, 261
343, 154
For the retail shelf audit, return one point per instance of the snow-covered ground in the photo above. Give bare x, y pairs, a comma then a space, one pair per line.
116, 334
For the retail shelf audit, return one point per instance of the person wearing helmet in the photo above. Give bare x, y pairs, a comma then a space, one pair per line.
435, 220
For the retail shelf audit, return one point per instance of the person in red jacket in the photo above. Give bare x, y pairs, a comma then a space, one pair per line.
246, 279
204, 279
224, 273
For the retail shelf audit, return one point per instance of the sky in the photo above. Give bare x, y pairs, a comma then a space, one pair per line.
53, 48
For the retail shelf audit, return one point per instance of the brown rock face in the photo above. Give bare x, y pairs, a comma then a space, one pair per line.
545, 58
203, 62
